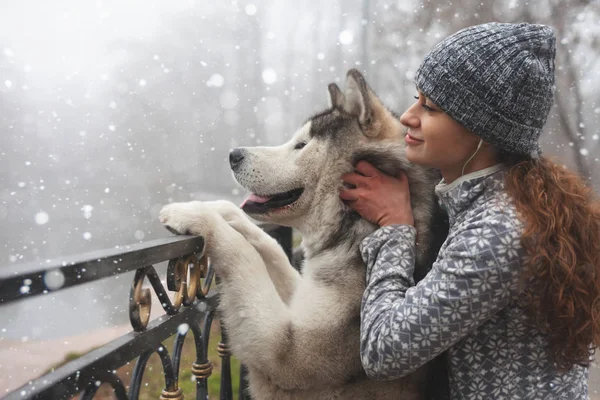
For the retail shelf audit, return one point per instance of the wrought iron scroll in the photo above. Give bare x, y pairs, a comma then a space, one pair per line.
114, 381
190, 277
186, 291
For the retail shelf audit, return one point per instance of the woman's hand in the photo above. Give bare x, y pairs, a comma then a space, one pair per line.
377, 197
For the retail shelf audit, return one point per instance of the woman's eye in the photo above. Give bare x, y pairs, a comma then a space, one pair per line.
426, 107
299, 145
416, 97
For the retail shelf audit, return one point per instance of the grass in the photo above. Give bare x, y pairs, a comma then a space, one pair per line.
153, 381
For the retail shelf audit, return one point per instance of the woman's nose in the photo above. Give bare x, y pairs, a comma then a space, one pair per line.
409, 119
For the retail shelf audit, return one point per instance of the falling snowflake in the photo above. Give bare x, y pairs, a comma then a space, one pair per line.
346, 37
250, 9
269, 76
183, 328
54, 279
41, 218
215, 80
87, 211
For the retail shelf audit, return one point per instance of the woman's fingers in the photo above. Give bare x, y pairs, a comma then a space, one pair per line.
363, 173
367, 169
354, 179
348, 194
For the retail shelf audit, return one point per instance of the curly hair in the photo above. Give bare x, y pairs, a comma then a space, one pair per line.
561, 236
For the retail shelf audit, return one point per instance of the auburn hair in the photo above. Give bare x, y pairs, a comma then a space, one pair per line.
561, 237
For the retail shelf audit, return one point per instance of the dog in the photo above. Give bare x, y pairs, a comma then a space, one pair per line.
298, 334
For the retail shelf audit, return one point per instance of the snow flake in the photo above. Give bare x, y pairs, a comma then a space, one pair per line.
87, 211
41, 218
250, 9
346, 37
215, 80
269, 76
183, 328
54, 279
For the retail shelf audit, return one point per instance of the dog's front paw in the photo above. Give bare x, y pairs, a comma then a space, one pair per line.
191, 218
176, 218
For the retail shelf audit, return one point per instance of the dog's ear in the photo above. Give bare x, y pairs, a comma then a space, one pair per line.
336, 97
357, 97
359, 102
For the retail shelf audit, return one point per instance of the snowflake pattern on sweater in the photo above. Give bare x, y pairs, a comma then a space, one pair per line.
466, 304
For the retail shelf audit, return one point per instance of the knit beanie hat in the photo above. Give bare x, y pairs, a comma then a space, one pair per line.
495, 79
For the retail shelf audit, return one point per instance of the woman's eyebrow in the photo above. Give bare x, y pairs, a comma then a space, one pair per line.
431, 103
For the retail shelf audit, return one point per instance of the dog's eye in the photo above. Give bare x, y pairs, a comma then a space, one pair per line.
299, 145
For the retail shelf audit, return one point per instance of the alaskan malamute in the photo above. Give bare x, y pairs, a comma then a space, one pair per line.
298, 334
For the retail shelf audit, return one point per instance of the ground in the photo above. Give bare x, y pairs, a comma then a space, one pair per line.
21, 362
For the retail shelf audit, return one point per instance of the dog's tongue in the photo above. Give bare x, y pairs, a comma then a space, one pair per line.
255, 199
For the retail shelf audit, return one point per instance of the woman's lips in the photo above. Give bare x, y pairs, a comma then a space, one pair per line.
411, 140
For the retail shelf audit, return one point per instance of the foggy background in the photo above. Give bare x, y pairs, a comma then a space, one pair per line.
111, 109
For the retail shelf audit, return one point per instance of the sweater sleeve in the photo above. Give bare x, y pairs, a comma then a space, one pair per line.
404, 326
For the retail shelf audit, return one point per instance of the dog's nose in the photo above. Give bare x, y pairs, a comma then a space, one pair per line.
236, 156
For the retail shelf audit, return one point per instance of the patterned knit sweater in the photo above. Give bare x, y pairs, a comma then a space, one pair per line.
466, 304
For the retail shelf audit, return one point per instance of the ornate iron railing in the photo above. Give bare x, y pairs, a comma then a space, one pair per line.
192, 309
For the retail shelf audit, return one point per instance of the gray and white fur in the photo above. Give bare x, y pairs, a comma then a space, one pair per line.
298, 334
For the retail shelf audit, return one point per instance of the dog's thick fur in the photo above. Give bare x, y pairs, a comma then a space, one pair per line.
299, 334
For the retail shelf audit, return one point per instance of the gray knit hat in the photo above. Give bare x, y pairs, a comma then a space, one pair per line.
495, 79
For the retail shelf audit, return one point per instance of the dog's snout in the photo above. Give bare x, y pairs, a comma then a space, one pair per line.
236, 156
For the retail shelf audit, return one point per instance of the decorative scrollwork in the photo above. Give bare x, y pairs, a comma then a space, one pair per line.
223, 350
119, 389
190, 277
175, 395
140, 302
201, 371
199, 280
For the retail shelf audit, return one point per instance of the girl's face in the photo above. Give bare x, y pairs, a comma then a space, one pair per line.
436, 140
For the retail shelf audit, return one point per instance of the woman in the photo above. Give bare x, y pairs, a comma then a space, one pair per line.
514, 294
